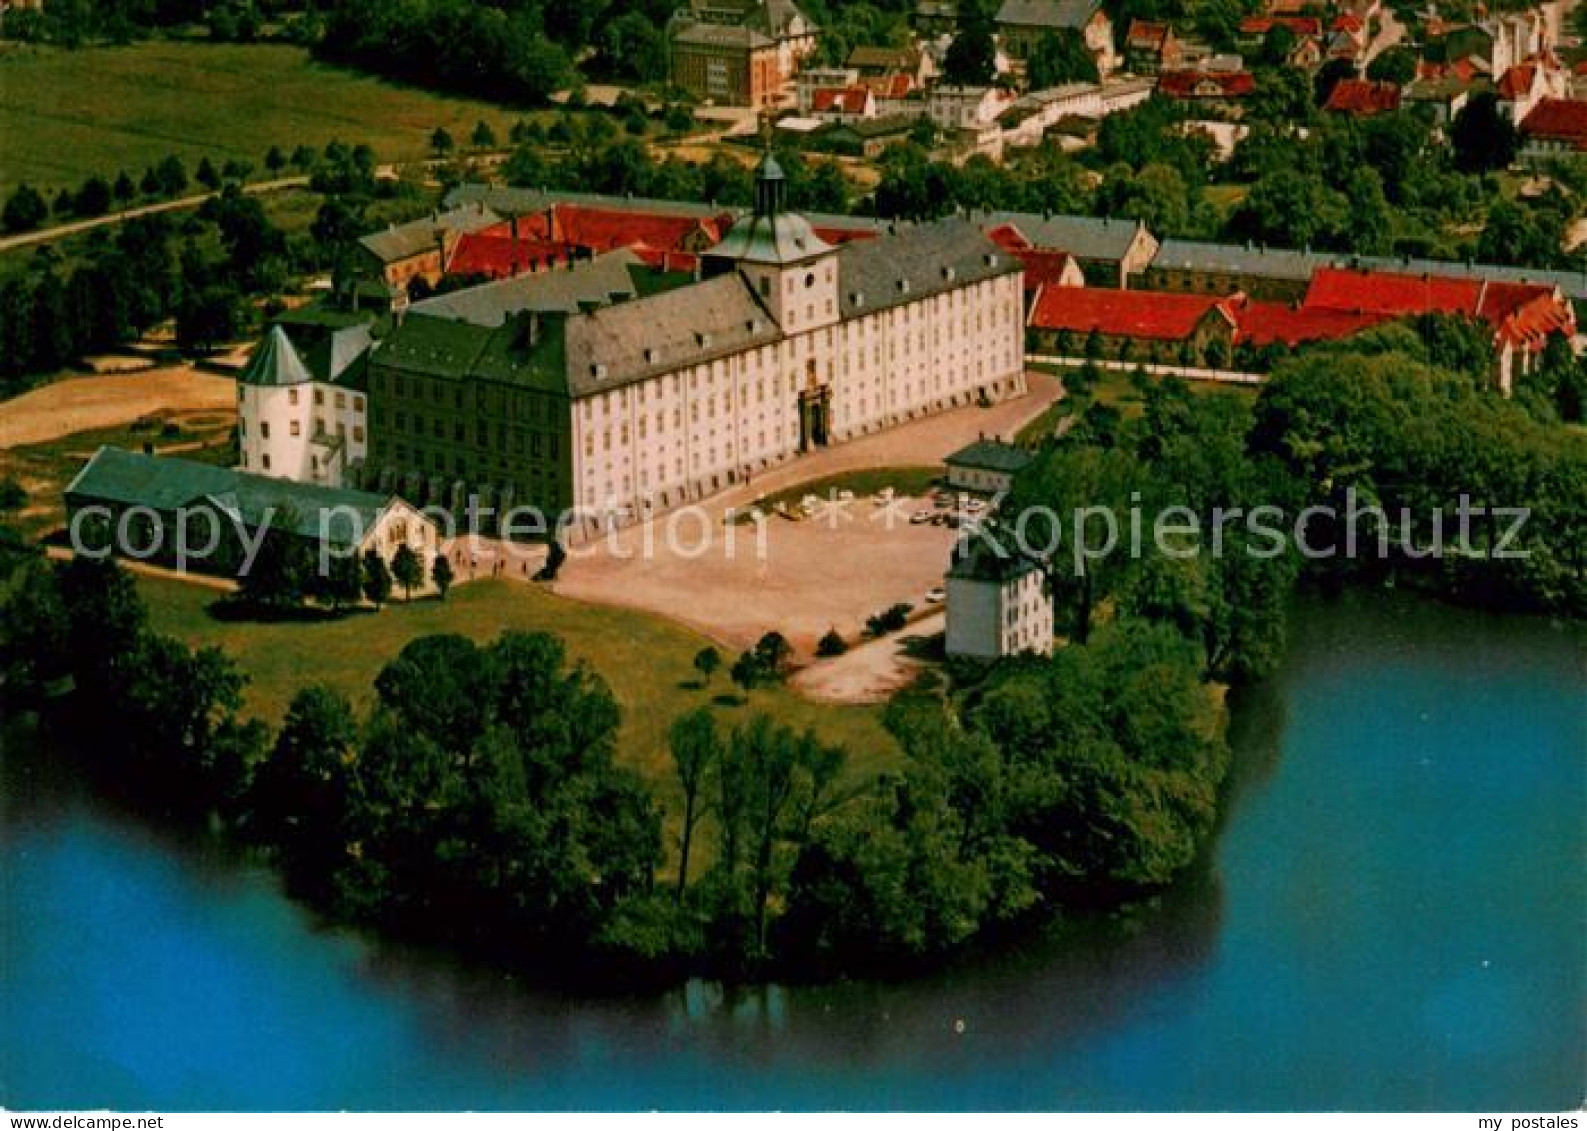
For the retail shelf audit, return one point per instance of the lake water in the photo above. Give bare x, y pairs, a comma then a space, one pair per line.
1393, 918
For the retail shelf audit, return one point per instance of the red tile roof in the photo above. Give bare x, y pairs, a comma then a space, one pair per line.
1517, 81
1008, 237
847, 100
1264, 323
1303, 26
1152, 315
1147, 35
1523, 314
835, 236
1349, 21
1363, 96
496, 255
563, 230
1206, 84
1558, 119
1391, 293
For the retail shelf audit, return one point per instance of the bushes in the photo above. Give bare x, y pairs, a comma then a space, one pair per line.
890, 619
831, 644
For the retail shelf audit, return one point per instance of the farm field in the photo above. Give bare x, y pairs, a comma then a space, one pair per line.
65, 115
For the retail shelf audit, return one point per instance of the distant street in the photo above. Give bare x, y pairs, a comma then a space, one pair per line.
46, 235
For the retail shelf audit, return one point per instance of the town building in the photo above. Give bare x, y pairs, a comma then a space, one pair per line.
1555, 128
1151, 46
739, 52
1361, 98
986, 466
1021, 24
1523, 86
997, 603
1220, 90
726, 65
155, 508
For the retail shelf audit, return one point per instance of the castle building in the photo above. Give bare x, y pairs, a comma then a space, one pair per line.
300, 402
786, 343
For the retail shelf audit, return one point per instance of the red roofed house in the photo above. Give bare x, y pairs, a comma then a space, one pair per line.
849, 104
1207, 87
1524, 85
1363, 97
1143, 325
1523, 315
1556, 127
1254, 28
1151, 46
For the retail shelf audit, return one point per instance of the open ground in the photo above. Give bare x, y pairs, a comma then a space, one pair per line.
67, 115
826, 572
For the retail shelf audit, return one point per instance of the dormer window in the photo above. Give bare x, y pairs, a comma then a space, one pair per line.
598, 371
650, 355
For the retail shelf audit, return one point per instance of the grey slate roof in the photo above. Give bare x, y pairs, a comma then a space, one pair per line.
639, 339
1048, 13
1241, 259
402, 241
275, 362
870, 271
432, 346
518, 201
783, 237
721, 35
979, 559
1084, 237
604, 279
990, 455
1298, 266
165, 483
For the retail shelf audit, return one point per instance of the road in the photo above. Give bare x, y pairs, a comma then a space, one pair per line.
1390, 33
46, 235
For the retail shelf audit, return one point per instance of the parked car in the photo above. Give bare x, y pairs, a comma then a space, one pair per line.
936, 596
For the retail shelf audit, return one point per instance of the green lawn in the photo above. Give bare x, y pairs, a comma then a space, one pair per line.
645, 658
906, 481
67, 114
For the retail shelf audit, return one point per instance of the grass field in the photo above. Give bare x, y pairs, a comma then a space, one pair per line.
647, 661
905, 481
67, 114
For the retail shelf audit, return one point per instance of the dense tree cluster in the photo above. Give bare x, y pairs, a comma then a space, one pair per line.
500, 52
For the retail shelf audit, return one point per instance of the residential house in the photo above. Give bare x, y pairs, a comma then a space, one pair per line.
1556, 127
1219, 90
1524, 85
1023, 23
1361, 98
1151, 46
844, 104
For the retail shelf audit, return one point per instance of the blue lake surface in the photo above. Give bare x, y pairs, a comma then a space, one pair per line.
1394, 917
